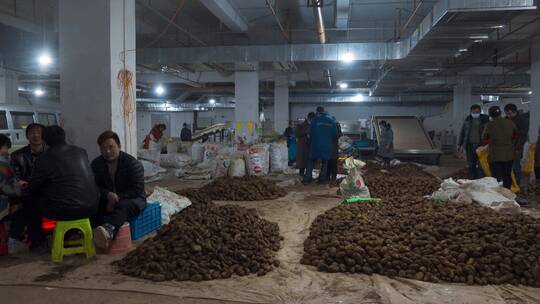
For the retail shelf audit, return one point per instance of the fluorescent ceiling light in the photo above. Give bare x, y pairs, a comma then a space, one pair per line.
358, 98
530, 92
160, 90
498, 26
463, 50
481, 36
39, 92
347, 57
212, 101
343, 85
44, 59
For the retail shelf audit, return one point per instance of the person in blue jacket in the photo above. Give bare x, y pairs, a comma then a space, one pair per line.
323, 134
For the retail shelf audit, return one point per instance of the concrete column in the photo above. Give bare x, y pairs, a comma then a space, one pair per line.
246, 112
462, 103
93, 38
534, 106
281, 104
9, 90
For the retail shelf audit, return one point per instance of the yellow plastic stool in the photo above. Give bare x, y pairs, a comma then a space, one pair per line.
84, 245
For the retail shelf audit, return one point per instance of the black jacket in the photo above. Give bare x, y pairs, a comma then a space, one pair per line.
466, 129
185, 134
63, 180
129, 179
522, 124
22, 162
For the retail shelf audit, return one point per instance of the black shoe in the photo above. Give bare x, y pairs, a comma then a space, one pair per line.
39, 248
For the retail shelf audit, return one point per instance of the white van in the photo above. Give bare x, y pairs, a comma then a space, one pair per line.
15, 118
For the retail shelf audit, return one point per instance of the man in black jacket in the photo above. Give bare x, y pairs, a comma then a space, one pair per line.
120, 178
470, 139
522, 124
185, 134
63, 179
22, 161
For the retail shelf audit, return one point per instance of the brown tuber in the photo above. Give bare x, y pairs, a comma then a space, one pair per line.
385, 181
250, 188
417, 238
206, 242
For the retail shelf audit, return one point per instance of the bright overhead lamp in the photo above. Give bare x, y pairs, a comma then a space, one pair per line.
347, 57
480, 36
44, 59
160, 90
39, 92
478, 41
498, 26
463, 50
212, 101
358, 98
343, 85
530, 92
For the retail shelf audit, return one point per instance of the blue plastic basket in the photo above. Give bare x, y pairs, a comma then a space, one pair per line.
146, 222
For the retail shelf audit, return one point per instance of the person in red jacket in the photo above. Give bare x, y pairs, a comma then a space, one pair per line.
155, 135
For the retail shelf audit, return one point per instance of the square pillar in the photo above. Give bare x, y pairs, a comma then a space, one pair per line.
462, 103
246, 112
281, 104
534, 106
9, 90
97, 40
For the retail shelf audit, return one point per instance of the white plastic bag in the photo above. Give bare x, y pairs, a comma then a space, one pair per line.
174, 160
279, 157
237, 168
353, 185
257, 160
344, 143
151, 169
149, 155
197, 152
170, 202
485, 191
211, 151
222, 166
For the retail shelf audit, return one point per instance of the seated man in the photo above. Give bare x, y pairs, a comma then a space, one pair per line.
22, 162
63, 180
120, 178
9, 183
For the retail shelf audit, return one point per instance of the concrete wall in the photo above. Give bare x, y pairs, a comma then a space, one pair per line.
216, 116
144, 123
363, 111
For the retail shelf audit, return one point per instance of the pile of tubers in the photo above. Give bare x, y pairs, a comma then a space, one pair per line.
249, 188
206, 242
532, 192
196, 196
399, 180
416, 238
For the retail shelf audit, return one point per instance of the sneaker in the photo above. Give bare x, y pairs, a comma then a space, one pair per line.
103, 235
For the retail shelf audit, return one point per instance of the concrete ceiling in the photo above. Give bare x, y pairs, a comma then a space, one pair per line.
448, 50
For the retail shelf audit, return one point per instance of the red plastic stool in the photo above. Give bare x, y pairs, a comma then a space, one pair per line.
48, 225
122, 243
3, 240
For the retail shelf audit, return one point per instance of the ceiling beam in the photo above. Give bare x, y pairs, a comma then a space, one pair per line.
19, 23
227, 14
342, 13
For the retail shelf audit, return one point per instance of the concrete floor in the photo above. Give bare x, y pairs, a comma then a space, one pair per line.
31, 279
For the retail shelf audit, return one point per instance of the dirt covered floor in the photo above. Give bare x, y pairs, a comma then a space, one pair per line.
30, 279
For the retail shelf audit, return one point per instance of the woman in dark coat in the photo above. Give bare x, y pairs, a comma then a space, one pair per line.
302, 150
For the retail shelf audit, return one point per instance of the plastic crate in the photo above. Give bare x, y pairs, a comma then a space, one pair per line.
361, 143
146, 222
